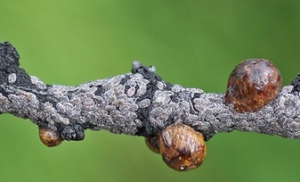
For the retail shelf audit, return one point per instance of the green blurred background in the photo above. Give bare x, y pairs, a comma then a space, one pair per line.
193, 43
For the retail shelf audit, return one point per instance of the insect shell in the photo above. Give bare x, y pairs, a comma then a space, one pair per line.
49, 137
182, 148
253, 84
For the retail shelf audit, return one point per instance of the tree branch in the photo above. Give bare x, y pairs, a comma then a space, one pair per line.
138, 103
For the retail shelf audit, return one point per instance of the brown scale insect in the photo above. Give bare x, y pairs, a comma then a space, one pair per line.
253, 84
182, 148
49, 137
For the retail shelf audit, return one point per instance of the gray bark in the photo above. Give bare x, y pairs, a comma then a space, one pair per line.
138, 103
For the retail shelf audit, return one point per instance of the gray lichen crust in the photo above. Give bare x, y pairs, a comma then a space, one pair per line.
138, 103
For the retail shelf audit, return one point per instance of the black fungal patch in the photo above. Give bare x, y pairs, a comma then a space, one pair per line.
296, 85
195, 96
8, 55
169, 86
70, 95
127, 87
9, 63
143, 113
124, 80
72, 132
42, 95
137, 87
174, 98
144, 130
208, 134
100, 90
147, 74
3, 92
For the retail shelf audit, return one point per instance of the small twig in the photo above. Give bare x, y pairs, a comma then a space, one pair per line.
138, 103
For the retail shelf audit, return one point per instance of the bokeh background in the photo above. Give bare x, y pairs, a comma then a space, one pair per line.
194, 43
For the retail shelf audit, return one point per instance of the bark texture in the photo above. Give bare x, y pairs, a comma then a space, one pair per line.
138, 103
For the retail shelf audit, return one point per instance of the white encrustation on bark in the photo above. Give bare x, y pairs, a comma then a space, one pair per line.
137, 103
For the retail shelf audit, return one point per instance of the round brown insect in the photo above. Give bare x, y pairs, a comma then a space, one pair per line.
182, 148
153, 144
49, 137
252, 84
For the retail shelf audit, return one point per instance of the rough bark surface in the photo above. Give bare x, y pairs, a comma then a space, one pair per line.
138, 103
